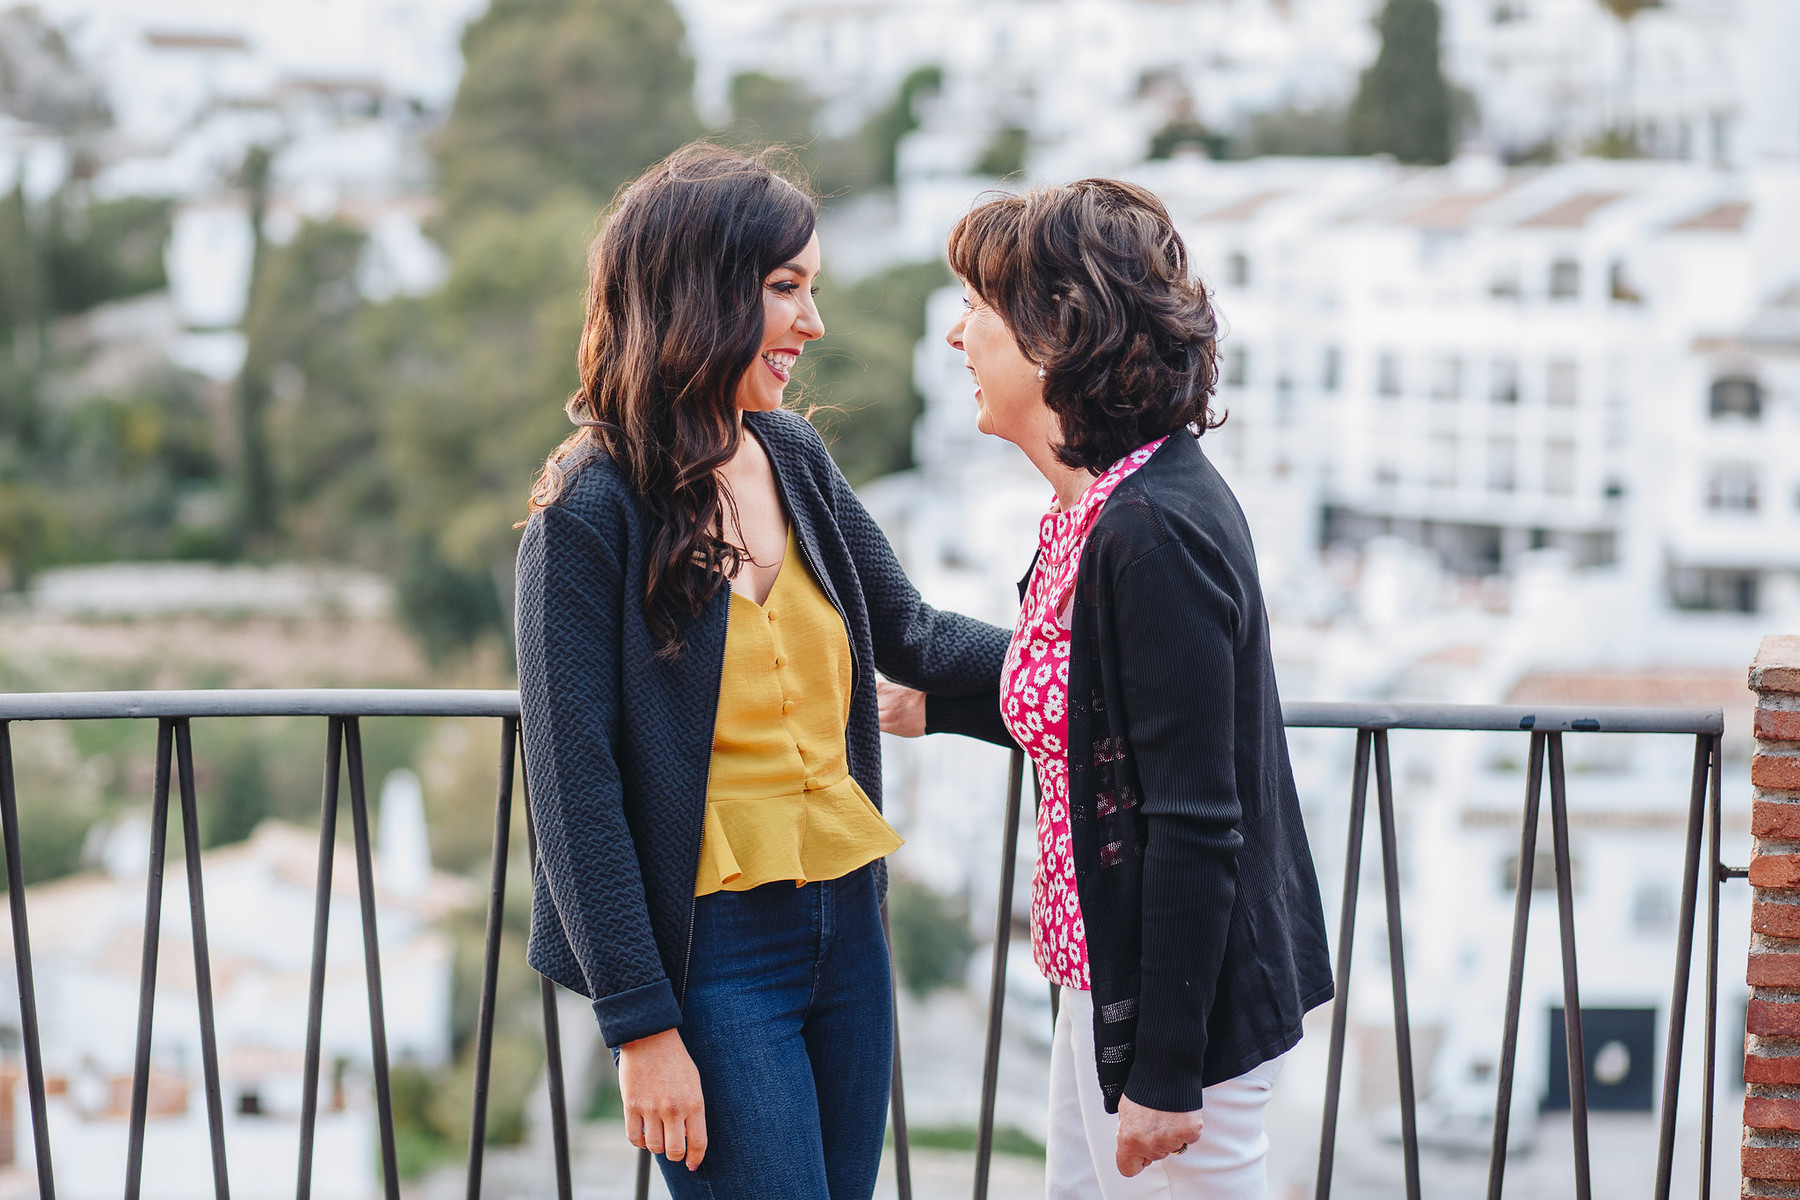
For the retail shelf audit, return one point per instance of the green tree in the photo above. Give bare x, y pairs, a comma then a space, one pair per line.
306, 327
861, 376
564, 93
104, 250
888, 125
256, 502
931, 939
1005, 152
766, 110
1404, 106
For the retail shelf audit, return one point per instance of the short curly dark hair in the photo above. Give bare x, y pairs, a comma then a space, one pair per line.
1092, 280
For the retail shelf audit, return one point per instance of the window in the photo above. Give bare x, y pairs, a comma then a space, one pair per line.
1565, 279
1562, 383
1387, 475
1330, 367
1559, 467
1387, 373
1440, 472
1237, 367
1446, 377
1503, 380
1652, 908
1505, 284
1737, 396
1502, 475
1237, 269
1620, 285
1714, 590
1732, 487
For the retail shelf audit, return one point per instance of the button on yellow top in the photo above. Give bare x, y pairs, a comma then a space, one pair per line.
780, 800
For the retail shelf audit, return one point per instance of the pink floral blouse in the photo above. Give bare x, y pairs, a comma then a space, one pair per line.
1034, 686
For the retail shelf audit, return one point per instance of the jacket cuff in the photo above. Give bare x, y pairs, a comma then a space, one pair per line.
976, 716
1153, 1085
638, 1013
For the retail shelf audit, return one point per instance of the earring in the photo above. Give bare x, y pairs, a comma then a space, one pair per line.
1040, 372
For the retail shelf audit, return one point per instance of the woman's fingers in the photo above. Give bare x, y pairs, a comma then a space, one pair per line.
653, 1133
696, 1140
634, 1129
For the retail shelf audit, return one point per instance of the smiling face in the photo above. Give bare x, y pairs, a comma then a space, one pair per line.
790, 320
1009, 395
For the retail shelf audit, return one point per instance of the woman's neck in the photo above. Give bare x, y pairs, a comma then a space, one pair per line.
1068, 482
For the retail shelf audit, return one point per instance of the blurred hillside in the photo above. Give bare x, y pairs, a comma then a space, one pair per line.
381, 398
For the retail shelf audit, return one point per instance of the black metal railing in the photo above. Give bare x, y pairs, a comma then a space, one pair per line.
344, 709
1545, 728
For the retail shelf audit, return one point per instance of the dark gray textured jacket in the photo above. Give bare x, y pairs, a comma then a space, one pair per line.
618, 741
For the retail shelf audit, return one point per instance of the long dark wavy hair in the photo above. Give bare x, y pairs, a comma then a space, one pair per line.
674, 319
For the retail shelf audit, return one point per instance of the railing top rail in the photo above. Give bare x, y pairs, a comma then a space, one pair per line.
471, 702
261, 702
1502, 717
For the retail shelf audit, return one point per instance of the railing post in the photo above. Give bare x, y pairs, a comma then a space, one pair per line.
1771, 1148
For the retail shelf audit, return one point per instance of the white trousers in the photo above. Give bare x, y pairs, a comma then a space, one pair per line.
1229, 1162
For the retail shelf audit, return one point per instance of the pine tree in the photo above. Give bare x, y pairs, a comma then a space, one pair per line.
1403, 106
582, 93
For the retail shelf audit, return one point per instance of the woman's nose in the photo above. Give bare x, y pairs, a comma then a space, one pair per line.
954, 335
810, 324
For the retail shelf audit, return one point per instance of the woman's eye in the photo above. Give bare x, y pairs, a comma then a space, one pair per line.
785, 286
814, 291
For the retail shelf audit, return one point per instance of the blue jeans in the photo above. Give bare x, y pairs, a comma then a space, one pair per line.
789, 1017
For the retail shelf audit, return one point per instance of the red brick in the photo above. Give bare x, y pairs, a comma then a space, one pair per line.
1759, 1068
1776, 667
1778, 725
1775, 771
1776, 920
1775, 819
1775, 870
1772, 1018
1771, 1162
1770, 1112
1773, 968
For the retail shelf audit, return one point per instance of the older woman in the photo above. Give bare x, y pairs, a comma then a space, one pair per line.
1174, 900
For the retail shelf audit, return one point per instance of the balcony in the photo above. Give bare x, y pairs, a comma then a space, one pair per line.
328, 1103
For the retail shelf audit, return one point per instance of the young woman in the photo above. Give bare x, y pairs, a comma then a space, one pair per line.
1174, 900
703, 607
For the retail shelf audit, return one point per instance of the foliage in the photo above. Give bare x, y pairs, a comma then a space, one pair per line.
931, 939
1618, 141
860, 385
770, 111
888, 125
105, 250
1008, 1139
564, 94
1185, 133
1404, 106
1625, 10
1293, 131
1005, 152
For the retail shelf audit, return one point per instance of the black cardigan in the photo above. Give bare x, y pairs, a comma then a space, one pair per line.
1206, 938
618, 741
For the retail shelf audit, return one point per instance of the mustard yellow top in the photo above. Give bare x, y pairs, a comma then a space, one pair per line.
780, 801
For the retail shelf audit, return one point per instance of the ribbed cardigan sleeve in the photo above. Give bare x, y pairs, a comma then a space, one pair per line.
1176, 622
943, 654
570, 598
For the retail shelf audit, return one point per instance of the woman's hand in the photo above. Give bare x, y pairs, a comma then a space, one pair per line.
902, 709
1147, 1134
664, 1111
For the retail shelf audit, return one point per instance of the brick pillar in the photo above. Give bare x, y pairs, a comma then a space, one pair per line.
1771, 1155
